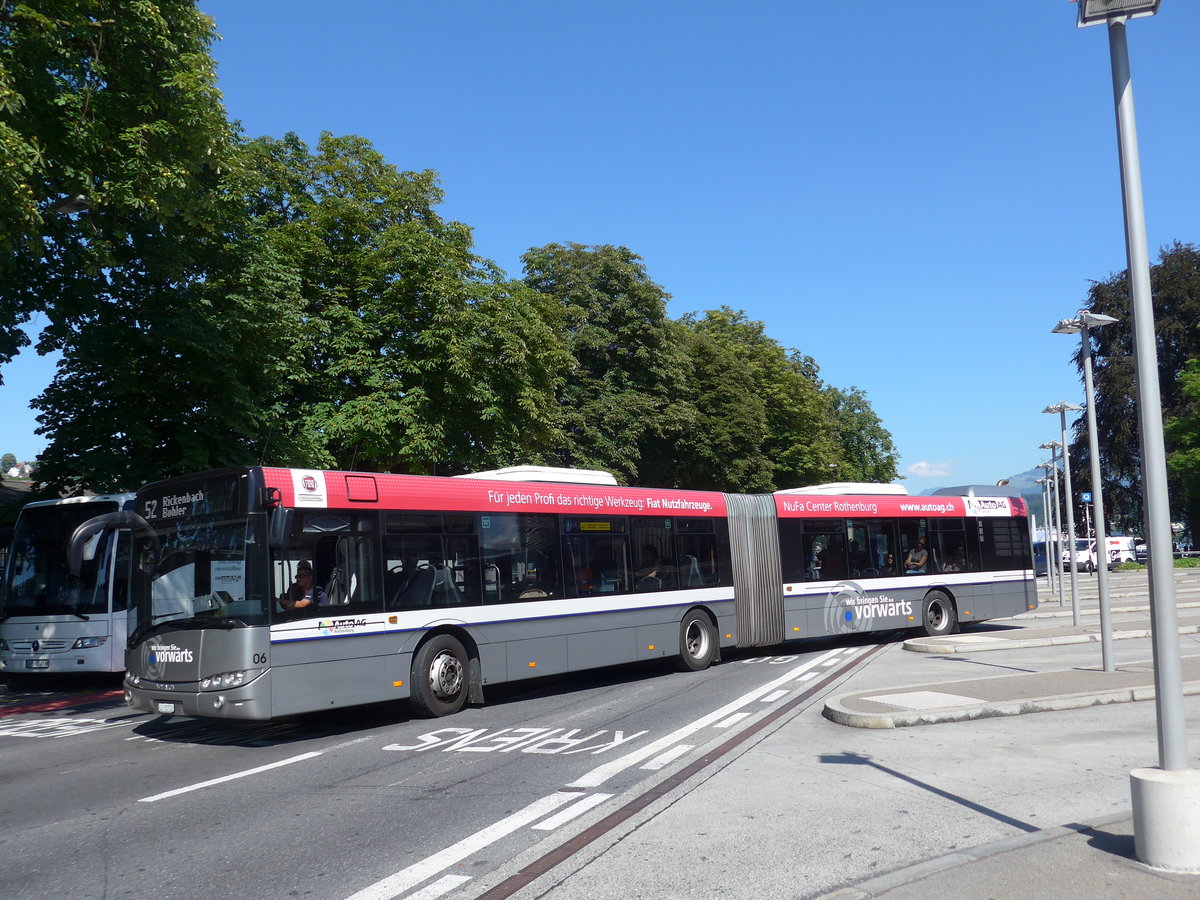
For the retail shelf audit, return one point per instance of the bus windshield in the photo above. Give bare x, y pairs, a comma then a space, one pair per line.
37, 581
205, 572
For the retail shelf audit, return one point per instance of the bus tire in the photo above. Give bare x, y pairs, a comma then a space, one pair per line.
439, 677
940, 617
697, 642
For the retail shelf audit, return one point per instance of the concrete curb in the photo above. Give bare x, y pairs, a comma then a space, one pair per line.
836, 710
976, 643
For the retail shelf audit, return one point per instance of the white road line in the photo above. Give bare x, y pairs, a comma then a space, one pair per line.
443, 885
601, 774
674, 753
732, 720
807, 676
773, 696
224, 778
575, 809
397, 884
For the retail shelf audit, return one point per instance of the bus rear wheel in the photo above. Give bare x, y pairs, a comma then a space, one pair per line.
697, 642
940, 616
439, 677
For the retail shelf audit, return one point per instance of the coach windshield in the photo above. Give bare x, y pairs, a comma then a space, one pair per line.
207, 560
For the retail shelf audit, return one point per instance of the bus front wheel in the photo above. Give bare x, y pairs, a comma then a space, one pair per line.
439, 677
940, 615
697, 642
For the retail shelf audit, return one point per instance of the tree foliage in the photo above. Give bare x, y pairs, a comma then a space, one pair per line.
1175, 286
112, 101
418, 356
220, 301
629, 361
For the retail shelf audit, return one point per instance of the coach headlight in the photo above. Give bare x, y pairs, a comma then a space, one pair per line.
223, 680
87, 643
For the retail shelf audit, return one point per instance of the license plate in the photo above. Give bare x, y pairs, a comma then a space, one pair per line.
37, 663
165, 708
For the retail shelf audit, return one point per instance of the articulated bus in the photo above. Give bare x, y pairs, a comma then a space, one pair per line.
431, 589
54, 621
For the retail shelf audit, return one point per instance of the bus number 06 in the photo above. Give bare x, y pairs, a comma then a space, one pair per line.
260, 659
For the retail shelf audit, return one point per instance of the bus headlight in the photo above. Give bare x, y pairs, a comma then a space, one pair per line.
87, 643
223, 680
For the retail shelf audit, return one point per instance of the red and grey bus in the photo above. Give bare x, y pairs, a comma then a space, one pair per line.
432, 589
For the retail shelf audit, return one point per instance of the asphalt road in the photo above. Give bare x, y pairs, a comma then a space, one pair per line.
368, 802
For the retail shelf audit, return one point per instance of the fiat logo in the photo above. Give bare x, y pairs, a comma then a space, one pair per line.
310, 483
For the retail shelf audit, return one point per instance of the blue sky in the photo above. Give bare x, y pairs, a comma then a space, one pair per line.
913, 199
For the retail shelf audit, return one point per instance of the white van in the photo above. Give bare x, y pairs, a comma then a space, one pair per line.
1120, 549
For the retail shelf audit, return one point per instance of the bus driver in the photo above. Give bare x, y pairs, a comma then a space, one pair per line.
303, 593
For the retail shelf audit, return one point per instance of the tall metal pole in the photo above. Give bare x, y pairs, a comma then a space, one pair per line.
1057, 527
1089, 393
1041, 483
1164, 622
1051, 574
1070, 498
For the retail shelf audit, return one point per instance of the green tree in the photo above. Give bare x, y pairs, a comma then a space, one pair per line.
1175, 286
799, 440
618, 407
7, 461
867, 452
198, 316
111, 101
720, 442
1182, 433
418, 355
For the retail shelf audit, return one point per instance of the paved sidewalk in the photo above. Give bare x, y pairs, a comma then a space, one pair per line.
782, 818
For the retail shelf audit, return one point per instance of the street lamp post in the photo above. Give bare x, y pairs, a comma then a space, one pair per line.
1166, 800
1053, 447
1061, 408
1081, 323
1044, 484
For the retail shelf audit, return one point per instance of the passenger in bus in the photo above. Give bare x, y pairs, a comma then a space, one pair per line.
889, 565
917, 559
649, 575
303, 593
958, 561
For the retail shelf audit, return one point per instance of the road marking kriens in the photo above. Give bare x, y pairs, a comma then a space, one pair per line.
224, 778
401, 881
526, 740
601, 774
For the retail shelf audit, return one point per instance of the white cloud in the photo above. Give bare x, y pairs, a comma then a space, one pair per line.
931, 469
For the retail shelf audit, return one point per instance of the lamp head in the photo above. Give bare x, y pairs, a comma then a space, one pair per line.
1100, 12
